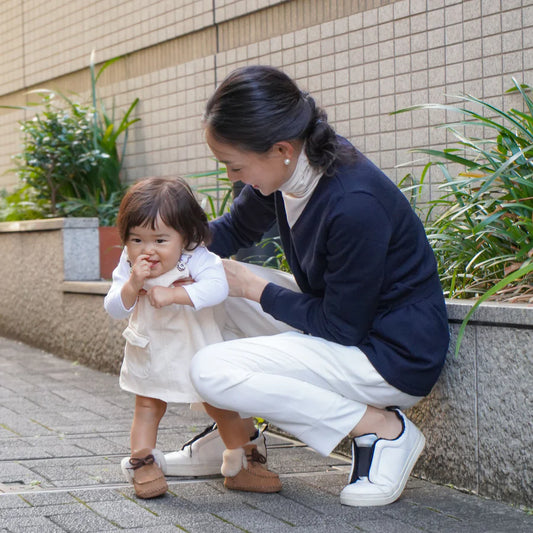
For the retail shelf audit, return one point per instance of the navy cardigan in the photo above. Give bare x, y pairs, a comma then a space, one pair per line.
367, 273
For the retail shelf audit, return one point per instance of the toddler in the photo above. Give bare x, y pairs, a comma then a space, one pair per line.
164, 231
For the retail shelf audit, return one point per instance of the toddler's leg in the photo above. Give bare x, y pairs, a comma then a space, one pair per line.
146, 466
230, 426
148, 414
242, 464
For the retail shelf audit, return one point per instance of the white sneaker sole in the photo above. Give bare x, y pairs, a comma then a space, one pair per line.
370, 500
185, 470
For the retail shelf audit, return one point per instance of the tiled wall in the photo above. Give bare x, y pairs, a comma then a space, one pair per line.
360, 59
59, 34
230, 9
11, 47
169, 140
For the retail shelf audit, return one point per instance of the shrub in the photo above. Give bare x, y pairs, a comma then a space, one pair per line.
22, 204
59, 159
481, 225
70, 161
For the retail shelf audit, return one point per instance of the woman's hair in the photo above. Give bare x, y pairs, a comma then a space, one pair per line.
172, 200
258, 106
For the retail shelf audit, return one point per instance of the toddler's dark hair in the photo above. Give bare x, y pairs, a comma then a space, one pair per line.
173, 201
257, 106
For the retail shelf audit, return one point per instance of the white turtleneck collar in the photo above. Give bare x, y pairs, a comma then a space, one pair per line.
297, 190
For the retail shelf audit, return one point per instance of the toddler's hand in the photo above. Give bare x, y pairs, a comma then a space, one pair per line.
160, 296
140, 270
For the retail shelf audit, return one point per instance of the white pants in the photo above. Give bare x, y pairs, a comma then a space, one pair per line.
315, 389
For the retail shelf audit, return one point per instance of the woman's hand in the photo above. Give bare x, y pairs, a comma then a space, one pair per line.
242, 282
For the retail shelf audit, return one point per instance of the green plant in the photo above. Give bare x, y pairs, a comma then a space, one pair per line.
481, 225
107, 130
105, 209
216, 200
70, 155
216, 197
277, 260
21, 204
58, 151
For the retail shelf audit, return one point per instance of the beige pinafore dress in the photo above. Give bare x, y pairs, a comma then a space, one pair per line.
160, 344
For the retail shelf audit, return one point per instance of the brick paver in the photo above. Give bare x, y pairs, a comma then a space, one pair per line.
64, 429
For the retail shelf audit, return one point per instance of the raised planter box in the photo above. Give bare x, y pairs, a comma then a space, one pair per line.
76, 250
478, 419
52, 293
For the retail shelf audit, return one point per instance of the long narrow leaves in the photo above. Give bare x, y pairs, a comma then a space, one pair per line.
217, 194
493, 290
481, 224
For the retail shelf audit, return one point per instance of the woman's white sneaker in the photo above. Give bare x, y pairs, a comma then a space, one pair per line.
202, 455
381, 467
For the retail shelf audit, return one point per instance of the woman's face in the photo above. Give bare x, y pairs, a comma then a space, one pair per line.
265, 172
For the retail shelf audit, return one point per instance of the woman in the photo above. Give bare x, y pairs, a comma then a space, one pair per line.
361, 331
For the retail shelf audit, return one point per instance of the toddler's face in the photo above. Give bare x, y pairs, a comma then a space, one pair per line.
161, 247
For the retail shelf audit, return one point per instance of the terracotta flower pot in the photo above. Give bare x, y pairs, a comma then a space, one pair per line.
110, 250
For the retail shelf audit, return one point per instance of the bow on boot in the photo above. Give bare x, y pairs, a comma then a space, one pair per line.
145, 470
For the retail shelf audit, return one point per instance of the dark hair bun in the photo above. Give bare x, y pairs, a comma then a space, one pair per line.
258, 106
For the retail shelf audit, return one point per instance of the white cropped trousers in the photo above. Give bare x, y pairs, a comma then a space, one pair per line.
314, 389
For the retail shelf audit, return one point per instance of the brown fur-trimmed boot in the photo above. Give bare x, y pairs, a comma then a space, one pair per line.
145, 470
243, 469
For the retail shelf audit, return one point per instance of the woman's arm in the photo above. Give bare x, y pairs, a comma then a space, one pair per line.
251, 216
351, 277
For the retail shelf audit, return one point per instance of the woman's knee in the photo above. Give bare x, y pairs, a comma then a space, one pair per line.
211, 373
201, 371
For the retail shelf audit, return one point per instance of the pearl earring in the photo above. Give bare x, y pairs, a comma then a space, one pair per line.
287, 162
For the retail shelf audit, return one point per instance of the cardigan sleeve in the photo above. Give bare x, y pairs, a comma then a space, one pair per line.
355, 250
251, 215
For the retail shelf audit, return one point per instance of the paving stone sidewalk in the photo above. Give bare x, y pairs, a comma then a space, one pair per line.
64, 429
